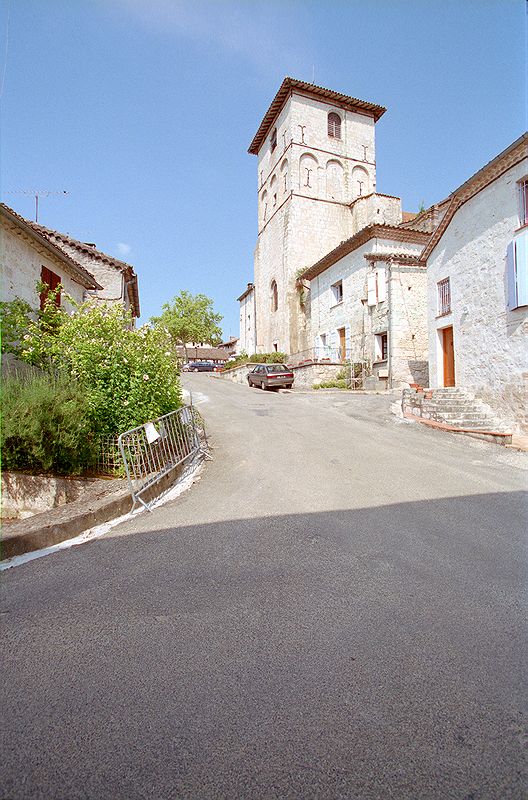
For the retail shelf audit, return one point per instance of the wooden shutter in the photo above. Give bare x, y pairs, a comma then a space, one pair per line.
371, 289
521, 268
510, 276
382, 289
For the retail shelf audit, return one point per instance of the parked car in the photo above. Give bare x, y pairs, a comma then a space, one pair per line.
201, 366
271, 376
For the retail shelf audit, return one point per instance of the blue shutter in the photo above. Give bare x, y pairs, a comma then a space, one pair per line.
510, 276
521, 268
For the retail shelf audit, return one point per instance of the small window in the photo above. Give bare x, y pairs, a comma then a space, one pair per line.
523, 202
52, 281
274, 296
444, 297
274, 139
337, 292
381, 347
334, 125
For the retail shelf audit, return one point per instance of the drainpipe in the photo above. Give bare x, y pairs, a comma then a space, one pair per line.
389, 327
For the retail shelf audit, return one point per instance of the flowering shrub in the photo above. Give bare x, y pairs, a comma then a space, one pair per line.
129, 376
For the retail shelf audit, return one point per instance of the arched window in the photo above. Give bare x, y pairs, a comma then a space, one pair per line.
274, 296
334, 125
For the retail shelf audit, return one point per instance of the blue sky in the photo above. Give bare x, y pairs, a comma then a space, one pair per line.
143, 112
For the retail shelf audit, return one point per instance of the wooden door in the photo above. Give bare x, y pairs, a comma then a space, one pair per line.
449, 357
342, 343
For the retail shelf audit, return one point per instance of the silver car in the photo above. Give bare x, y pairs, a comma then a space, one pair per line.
271, 376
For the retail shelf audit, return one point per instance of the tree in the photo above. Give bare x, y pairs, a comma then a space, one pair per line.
190, 318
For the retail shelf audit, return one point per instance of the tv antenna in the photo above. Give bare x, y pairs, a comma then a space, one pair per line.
36, 193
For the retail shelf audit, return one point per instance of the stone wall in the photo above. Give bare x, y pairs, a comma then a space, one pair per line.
408, 337
307, 375
22, 260
401, 313
491, 356
26, 495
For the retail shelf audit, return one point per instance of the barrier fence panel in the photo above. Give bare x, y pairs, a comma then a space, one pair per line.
152, 450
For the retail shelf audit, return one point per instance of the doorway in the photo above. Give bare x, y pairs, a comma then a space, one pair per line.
342, 343
449, 356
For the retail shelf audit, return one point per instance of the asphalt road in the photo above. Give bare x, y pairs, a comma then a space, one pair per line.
336, 609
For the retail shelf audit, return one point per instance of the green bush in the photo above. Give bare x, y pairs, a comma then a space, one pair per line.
256, 358
128, 376
46, 426
337, 384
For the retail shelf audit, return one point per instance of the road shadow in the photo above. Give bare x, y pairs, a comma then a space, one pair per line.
371, 653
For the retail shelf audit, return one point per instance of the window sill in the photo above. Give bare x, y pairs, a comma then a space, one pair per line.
444, 314
521, 228
380, 361
336, 305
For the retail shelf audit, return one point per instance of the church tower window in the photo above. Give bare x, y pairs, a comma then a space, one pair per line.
274, 296
274, 139
334, 125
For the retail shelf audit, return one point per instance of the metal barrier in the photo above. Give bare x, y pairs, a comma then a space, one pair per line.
152, 450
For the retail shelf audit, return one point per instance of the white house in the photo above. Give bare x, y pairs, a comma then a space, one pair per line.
27, 258
368, 304
31, 253
247, 341
477, 271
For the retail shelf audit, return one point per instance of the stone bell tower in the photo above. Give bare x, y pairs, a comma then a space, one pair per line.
316, 156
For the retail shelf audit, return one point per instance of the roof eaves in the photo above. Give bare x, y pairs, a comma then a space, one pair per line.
360, 238
292, 84
85, 278
507, 159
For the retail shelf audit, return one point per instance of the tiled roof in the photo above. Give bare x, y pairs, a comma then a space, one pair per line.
76, 270
391, 232
204, 353
62, 239
244, 294
508, 158
83, 247
301, 87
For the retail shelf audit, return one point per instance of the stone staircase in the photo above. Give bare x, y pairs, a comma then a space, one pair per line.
456, 407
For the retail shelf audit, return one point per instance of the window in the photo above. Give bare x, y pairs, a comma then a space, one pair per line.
334, 125
52, 281
523, 201
274, 139
337, 292
517, 271
381, 347
444, 297
274, 296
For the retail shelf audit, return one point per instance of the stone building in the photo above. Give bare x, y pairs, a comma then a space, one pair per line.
247, 341
316, 187
31, 253
368, 304
118, 279
477, 270
27, 258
